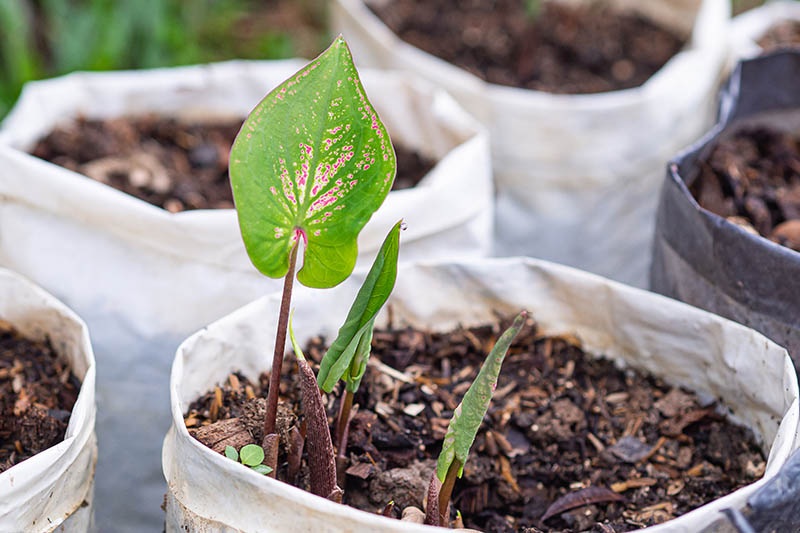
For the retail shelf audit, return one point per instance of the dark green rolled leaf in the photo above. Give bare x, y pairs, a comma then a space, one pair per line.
262, 469
231, 453
360, 359
371, 296
313, 161
251, 455
469, 414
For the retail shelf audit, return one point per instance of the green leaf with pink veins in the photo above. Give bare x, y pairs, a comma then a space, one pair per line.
467, 417
313, 161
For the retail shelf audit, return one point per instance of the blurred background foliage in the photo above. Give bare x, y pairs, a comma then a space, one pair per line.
45, 38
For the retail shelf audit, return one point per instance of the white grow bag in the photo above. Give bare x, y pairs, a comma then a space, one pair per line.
577, 175
448, 214
144, 279
53, 490
750, 26
683, 345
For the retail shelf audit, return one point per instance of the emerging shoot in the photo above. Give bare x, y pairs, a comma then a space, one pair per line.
464, 426
311, 163
348, 355
250, 455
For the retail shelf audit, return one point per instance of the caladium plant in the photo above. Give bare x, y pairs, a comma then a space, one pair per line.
311, 163
464, 425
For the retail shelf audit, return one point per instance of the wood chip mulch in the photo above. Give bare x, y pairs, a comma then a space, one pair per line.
168, 163
570, 443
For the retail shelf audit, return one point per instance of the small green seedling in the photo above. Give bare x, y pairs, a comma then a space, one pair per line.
251, 455
464, 426
311, 163
348, 355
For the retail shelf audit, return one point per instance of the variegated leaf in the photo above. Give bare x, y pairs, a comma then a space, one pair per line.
312, 161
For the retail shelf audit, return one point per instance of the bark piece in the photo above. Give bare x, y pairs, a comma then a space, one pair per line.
585, 496
229, 432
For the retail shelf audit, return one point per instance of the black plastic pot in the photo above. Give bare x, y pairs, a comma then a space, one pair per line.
704, 260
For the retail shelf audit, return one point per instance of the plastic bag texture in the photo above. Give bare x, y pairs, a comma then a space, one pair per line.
577, 175
52, 491
703, 259
144, 279
686, 346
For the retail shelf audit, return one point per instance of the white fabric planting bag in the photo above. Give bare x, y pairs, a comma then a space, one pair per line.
448, 214
577, 175
717, 358
747, 28
53, 490
144, 279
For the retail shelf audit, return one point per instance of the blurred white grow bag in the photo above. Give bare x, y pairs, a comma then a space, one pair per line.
747, 28
717, 358
577, 175
448, 214
144, 278
53, 490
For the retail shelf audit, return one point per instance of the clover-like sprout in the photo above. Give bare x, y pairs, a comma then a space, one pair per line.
251, 455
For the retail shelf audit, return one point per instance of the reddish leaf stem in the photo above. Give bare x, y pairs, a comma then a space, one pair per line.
344, 419
446, 491
280, 344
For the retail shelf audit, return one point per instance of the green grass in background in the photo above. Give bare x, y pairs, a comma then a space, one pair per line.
45, 38
743, 5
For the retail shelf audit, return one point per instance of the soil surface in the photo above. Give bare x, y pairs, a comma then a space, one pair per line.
563, 430
752, 178
562, 49
37, 392
170, 164
784, 34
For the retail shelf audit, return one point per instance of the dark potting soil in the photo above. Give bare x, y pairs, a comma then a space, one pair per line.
565, 49
37, 392
170, 164
562, 427
784, 34
752, 178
